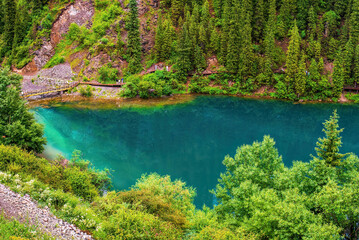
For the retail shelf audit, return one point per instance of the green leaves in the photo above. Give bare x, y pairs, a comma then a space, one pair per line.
17, 124
315, 200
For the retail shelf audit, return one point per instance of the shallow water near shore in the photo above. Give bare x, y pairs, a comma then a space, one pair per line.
190, 139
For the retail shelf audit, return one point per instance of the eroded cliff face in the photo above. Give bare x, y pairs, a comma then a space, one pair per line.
80, 12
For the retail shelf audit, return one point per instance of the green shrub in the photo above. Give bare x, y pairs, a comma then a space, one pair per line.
14, 230
86, 92
84, 182
108, 74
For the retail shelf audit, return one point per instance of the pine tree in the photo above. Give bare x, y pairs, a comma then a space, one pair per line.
348, 61
21, 23
215, 41
184, 51
287, 13
133, 39
199, 59
356, 64
302, 13
246, 55
312, 22
233, 51
292, 56
159, 40
259, 21
354, 22
338, 75
9, 21
205, 14
328, 147
177, 8
300, 78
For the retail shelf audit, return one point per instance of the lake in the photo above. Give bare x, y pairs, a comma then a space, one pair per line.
189, 141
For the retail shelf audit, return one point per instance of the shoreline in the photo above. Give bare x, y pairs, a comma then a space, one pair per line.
97, 102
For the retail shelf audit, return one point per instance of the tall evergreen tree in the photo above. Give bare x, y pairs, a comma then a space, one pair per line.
9, 21
134, 49
354, 22
258, 21
338, 75
292, 57
184, 51
300, 78
328, 147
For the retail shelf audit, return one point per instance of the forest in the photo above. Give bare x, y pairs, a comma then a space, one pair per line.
303, 49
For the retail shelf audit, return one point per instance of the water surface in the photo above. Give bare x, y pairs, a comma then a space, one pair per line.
189, 141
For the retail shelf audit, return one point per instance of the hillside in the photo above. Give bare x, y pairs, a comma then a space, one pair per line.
286, 49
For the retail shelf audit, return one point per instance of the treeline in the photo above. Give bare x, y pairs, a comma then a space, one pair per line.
255, 40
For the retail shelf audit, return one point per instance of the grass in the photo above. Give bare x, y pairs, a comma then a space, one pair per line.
11, 229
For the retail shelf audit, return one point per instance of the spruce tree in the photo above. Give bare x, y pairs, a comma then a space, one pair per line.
348, 61
354, 22
338, 75
184, 49
328, 147
215, 41
300, 78
356, 64
259, 21
134, 49
177, 8
9, 21
292, 57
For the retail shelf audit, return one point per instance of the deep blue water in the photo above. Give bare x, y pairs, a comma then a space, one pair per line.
189, 141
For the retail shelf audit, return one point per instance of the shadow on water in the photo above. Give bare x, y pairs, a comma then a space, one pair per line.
189, 140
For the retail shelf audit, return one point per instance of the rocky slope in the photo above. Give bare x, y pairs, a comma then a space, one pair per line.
25, 209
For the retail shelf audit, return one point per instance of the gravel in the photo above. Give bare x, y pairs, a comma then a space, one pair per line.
25, 209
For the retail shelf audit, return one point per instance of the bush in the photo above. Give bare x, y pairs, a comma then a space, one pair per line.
84, 182
86, 92
108, 74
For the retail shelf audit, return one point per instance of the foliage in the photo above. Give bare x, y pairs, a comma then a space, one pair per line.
17, 124
78, 177
14, 230
108, 74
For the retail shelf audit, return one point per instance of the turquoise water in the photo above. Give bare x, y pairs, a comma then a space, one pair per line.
189, 141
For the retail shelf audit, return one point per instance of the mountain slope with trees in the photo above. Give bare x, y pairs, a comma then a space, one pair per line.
305, 49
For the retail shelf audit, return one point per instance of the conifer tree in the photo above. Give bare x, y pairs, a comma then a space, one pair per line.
312, 22
133, 40
184, 51
233, 51
302, 13
354, 22
348, 61
292, 56
177, 8
199, 59
205, 14
9, 21
300, 78
338, 75
328, 147
287, 12
246, 52
215, 41
259, 21
356, 64
21, 23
